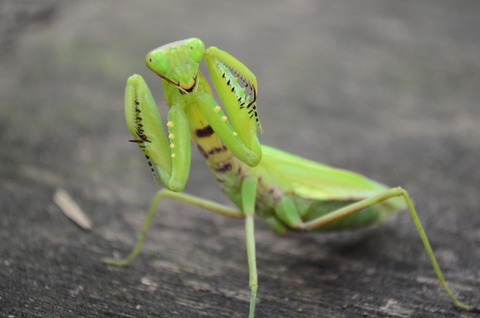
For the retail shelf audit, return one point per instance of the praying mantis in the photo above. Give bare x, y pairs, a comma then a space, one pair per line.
288, 192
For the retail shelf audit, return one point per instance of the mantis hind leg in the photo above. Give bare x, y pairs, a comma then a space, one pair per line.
381, 197
182, 197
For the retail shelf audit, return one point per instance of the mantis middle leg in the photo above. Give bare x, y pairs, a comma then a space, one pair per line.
249, 188
178, 196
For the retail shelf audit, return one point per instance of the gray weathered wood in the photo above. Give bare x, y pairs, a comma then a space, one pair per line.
386, 88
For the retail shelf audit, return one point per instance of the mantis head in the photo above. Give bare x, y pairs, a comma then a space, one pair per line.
177, 62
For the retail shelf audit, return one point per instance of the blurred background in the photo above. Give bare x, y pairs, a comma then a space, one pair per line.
389, 89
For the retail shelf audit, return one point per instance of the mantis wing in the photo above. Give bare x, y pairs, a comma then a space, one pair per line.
313, 180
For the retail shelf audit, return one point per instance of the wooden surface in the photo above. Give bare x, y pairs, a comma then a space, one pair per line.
386, 88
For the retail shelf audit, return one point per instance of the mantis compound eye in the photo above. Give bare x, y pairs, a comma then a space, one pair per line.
197, 49
158, 62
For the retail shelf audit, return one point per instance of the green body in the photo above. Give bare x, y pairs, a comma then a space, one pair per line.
285, 179
290, 191
285, 190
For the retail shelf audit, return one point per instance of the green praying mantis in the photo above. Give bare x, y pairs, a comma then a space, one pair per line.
286, 191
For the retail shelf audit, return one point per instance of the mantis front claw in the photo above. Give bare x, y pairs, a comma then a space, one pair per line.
190, 99
168, 157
